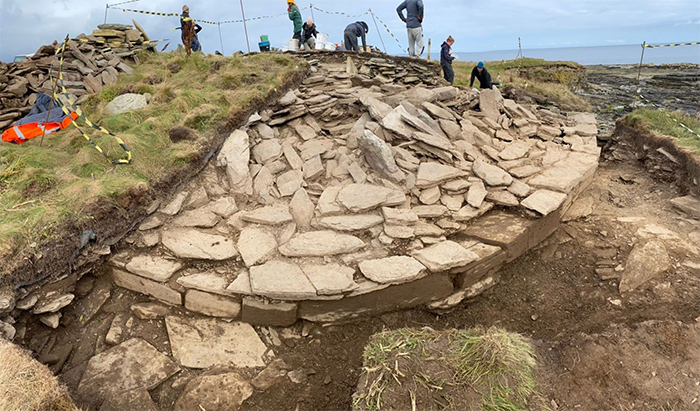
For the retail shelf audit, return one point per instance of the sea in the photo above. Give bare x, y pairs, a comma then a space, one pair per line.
620, 54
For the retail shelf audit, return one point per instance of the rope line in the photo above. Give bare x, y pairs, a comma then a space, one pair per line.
649, 46
73, 108
387, 29
339, 13
690, 130
154, 13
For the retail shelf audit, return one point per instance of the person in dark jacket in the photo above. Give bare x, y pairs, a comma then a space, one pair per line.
295, 16
479, 72
308, 33
414, 25
446, 59
189, 31
352, 32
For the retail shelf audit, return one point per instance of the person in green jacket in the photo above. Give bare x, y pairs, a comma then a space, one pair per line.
295, 16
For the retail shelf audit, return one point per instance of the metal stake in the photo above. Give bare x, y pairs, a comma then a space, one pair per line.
639, 74
378, 32
106, 8
221, 40
311, 7
245, 27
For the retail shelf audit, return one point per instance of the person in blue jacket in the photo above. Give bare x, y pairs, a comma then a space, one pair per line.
352, 32
446, 59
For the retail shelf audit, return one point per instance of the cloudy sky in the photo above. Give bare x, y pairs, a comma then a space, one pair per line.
477, 26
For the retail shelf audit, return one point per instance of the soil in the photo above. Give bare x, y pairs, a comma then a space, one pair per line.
599, 350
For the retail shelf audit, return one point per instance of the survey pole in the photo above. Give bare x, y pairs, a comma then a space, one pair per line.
245, 27
639, 74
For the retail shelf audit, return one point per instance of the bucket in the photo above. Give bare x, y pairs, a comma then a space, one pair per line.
320, 45
330, 46
322, 38
294, 44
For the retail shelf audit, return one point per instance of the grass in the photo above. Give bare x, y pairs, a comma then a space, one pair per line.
554, 80
484, 369
42, 188
662, 122
26, 385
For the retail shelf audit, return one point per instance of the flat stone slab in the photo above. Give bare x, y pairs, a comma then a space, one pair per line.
205, 343
270, 215
281, 280
688, 204
330, 279
256, 245
321, 243
499, 228
544, 201
644, 263
190, 243
444, 256
432, 174
350, 222
209, 282
364, 197
153, 267
492, 175
197, 218
393, 270
51, 305
221, 392
143, 285
130, 365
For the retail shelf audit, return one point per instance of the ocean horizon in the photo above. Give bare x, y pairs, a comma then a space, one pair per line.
592, 55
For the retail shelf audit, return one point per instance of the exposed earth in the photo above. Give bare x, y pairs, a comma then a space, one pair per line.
599, 349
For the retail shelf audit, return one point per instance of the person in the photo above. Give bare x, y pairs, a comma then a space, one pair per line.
295, 16
414, 25
352, 32
446, 59
189, 31
308, 32
479, 72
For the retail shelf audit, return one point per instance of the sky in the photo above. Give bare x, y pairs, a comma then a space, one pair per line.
477, 26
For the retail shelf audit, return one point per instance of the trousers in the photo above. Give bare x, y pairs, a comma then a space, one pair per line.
415, 42
351, 41
449, 72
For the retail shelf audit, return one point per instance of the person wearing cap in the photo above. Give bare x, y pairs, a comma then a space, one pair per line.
446, 59
308, 32
479, 72
414, 25
189, 31
352, 32
295, 16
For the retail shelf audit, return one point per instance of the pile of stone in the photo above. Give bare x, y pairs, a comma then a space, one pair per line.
348, 199
87, 68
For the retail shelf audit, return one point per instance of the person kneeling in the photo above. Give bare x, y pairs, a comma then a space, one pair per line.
308, 32
446, 59
479, 72
352, 32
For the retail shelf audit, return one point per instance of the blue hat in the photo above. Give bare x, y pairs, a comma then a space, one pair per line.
480, 65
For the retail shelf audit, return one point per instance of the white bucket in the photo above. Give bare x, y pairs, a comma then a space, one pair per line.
322, 38
285, 48
330, 46
294, 44
320, 45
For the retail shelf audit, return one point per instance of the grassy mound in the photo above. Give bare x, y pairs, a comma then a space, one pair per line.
553, 80
27, 385
45, 187
662, 122
475, 369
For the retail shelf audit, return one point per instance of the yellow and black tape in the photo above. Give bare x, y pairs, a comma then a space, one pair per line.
73, 107
387, 29
651, 46
339, 13
258, 18
119, 43
690, 130
155, 13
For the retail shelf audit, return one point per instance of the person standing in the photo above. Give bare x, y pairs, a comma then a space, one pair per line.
189, 31
352, 32
414, 25
479, 72
308, 33
295, 16
446, 59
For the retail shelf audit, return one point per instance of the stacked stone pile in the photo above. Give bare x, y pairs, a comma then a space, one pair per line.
348, 198
87, 68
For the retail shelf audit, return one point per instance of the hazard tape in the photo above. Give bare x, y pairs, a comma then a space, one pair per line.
124, 2
74, 108
259, 17
155, 13
690, 130
387, 29
119, 43
339, 13
649, 46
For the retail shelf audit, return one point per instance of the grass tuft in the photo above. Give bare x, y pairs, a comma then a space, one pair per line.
662, 122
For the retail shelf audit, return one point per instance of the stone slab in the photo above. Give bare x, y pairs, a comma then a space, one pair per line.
330, 279
281, 280
276, 314
153, 267
211, 304
350, 222
393, 270
320, 244
144, 286
220, 392
444, 256
256, 245
190, 243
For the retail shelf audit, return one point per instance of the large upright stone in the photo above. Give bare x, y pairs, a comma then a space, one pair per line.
432, 174
205, 343
235, 156
281, 280
320, 244
153, 267
644, 263
380, 158
256, 245
302, 209
490, 101
364, 197
393, 270
444, 256
492, 175
188, 243
130, 365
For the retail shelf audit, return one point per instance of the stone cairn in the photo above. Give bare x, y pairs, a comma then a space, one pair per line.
356, 195
87, 68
